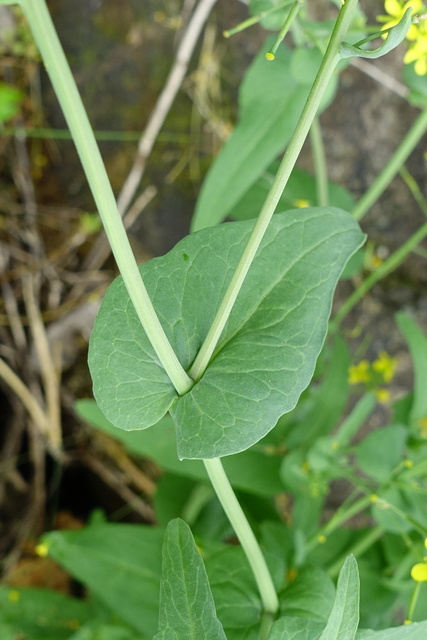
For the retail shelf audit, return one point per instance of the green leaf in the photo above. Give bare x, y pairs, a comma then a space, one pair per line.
395, 36
289, 628
236, 595
270, 102
301, 187
253, 471
39, 614
382, 450
187, 608
417, 342
344, 618
414, 631
310, 595
267, 352
120, 563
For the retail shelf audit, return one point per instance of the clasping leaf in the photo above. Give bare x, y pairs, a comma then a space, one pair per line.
395, 36
267, 352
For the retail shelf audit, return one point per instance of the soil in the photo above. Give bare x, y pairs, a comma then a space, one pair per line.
120, 60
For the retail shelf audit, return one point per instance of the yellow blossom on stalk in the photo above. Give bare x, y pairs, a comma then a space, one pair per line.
373, 375
359, 372
385, 365
382, 395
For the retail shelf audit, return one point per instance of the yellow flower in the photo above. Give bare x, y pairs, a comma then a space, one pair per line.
417, 51
385, 365
301, 204
395, 10
359, 372
419, 572
382, 395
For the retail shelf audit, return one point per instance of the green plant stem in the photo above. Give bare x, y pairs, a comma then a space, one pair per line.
413, 187
395, 163
324, 74
320, 166
342, 514
244, 533
270, 55
255, 19
65, 88
413, 601
387, 267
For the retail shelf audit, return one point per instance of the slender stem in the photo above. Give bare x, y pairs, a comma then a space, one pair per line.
413, 187
395, 163
290, 157
342, 514
320, 166
413, 601
270, 55
387, 267
244, 533
255, 19
63, 82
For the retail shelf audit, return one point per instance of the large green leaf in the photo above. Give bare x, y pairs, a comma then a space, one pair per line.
344, 618
271, 99
187, 608
120, 563
268, 349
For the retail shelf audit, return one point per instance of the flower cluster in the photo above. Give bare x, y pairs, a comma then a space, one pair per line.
417, 34
374, 374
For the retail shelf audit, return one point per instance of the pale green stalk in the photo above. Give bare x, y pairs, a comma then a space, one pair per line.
395, 163
75, 114
290, 157
320, 166
270, 55
244, 533
383, 270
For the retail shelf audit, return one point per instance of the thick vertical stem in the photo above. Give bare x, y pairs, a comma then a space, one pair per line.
244, 533
65, 88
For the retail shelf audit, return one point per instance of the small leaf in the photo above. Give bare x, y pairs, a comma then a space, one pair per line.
344, 618
395, 36
187, 608
268, 349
